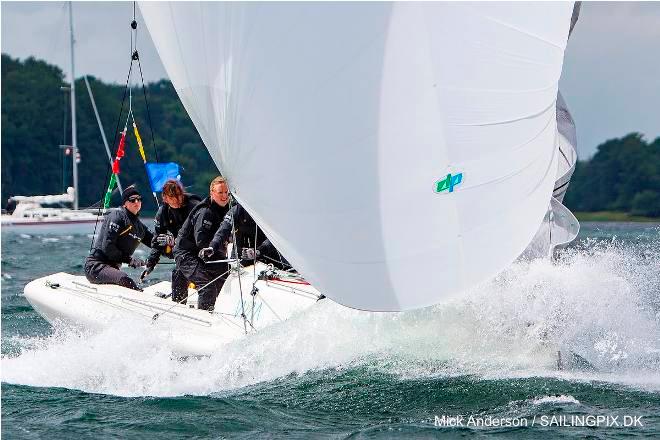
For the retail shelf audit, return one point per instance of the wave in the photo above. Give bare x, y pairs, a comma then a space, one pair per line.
598, 305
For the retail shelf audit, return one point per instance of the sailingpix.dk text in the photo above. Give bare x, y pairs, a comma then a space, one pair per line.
591, 421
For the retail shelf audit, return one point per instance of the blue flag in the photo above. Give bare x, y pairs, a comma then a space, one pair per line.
159, 173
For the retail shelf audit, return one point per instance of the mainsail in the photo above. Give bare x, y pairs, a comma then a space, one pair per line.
395, 153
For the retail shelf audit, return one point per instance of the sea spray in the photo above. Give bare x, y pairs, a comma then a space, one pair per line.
599, 301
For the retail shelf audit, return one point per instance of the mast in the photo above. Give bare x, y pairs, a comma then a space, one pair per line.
98, 120
74, 137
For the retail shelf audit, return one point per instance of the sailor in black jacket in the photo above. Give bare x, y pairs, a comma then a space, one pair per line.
120, 235
196, 234
251, 242
170, 217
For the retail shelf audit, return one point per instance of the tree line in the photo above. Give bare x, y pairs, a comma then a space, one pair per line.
36, 121
624, 174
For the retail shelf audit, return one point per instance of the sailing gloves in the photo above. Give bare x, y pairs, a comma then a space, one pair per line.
250, 254
136, 262
246, 253
205, 253
147, 271
164, 240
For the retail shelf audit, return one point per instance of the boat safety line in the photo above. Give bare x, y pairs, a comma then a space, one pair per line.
86, 286
86, 292
290, 282
90, 296
183, 315
233, 315
292, 290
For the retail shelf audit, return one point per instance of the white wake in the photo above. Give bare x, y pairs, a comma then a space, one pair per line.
601, 302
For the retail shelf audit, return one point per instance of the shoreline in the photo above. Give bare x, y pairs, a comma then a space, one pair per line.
614, 216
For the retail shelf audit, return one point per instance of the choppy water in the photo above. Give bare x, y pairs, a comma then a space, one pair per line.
333, 372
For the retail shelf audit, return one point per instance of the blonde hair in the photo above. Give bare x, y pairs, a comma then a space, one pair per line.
217, 181
173, 188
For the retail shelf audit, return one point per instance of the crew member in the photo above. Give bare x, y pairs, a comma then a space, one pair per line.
251, 243
176, 207
196, 234
121, 233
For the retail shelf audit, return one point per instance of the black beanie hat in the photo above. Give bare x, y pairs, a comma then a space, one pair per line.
129, 192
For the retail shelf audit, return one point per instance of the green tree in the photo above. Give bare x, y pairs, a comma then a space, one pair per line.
33, 118
620, 171
646, 203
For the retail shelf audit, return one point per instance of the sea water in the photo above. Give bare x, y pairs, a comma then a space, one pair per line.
570, 349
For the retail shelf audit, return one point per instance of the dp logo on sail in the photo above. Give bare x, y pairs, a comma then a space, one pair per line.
448, 183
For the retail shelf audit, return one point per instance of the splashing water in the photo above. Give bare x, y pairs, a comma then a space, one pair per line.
599, 303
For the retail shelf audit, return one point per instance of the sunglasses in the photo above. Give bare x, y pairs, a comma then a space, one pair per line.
134, 199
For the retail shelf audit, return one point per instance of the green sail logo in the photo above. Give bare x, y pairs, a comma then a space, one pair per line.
448, 183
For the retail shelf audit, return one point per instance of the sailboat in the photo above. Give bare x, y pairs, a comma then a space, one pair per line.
32, 214
397, 154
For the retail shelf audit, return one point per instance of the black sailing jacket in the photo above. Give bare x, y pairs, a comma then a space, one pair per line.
198, 229
171, 220
120, 234
248, 235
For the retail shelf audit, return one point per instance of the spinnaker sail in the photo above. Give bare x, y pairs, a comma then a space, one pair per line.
395, 153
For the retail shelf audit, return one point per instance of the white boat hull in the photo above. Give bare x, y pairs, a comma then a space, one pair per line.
50, 226
71, 299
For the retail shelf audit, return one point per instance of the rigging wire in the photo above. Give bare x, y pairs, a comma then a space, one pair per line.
114, 142
146, 102
128, 90
238, 265
55, 42
254, 270
65, 120
135, 56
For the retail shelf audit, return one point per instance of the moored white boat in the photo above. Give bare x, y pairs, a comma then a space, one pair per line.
263, 296
31, 216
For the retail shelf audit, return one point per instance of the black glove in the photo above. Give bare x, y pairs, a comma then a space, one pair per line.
206, 253
164, 240
250, 254
146, 271
136, 262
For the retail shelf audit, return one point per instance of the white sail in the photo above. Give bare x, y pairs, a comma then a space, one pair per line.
559, 226
337, 124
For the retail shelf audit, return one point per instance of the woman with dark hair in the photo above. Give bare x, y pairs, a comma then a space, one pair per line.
174, 211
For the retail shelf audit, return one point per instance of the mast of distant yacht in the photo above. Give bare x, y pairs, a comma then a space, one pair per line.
74, 137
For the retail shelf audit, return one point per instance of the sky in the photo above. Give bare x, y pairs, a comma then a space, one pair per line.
611, 76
